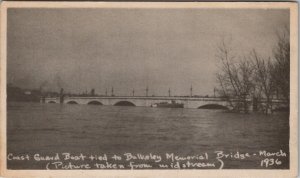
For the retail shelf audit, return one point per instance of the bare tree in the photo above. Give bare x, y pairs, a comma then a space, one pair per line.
281, 72
243, 78
264, 80
245, 81
225, 76
234, 78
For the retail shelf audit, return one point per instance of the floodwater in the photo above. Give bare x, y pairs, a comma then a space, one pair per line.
47, 129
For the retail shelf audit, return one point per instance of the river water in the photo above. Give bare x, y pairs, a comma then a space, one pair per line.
54, 128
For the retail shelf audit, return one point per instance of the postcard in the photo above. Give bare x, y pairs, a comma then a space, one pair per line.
149, 89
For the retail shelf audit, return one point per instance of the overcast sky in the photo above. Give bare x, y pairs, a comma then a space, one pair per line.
80, 49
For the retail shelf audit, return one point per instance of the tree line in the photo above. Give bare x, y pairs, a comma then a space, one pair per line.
253, 80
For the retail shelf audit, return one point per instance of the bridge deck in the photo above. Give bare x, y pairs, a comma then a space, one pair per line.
144, 98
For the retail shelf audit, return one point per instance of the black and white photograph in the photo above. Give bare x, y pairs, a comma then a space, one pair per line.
111, 87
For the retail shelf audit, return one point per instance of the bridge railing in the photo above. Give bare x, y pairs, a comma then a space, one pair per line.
147, 98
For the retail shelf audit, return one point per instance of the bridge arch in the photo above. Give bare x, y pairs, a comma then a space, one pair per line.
124, 103
72, 102
52, 102
94, 102
213, 106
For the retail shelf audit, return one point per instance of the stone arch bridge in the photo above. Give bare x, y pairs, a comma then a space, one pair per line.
188, 102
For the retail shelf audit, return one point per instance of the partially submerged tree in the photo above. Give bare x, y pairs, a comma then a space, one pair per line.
281, 72
235, 78
264, 80
254, 78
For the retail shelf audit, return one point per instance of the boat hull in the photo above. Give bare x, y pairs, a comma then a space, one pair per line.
170, 105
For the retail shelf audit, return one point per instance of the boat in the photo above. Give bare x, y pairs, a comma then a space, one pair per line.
173, 104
